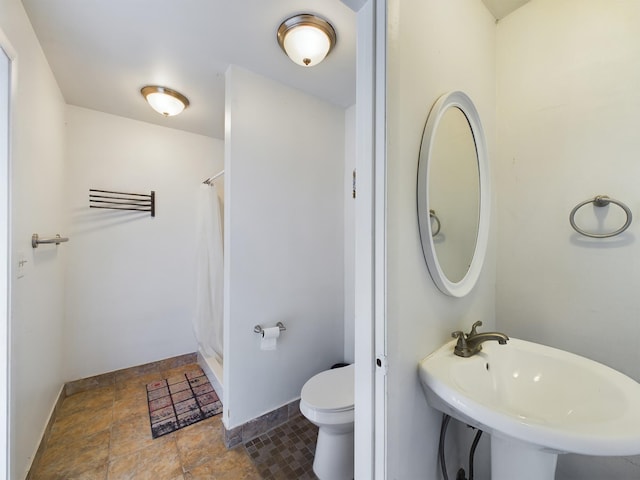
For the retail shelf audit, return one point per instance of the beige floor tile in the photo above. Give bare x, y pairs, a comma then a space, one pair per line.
179, 370
75, 458
169, 363
158, 461
90, 399
132, 434
140, 380
235, 465
130, 407
201, 442
98, 473
81, 424
90, 383
133, 389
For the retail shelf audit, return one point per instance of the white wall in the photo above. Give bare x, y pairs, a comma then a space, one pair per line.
568, 103
349, 234
130, 277
284, 235
37, 197
433, 47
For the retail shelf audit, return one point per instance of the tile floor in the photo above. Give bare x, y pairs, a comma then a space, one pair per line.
104, 434
286, 452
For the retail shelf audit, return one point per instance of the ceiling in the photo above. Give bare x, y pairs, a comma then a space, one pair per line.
103, 51
502, 8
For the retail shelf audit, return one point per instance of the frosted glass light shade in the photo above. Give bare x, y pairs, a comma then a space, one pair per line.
306, 45
165, 101
306, 39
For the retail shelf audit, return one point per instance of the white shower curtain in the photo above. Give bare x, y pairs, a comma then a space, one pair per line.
208, 319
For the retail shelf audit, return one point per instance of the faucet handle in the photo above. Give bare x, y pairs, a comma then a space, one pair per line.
461, 349
474, 327
461, 336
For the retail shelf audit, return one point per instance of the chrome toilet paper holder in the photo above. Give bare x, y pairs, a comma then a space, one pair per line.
260, 330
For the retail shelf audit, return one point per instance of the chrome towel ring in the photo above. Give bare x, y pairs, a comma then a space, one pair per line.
432, 215
601, 201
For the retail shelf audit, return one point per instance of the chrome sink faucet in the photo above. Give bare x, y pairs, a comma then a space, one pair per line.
471, 343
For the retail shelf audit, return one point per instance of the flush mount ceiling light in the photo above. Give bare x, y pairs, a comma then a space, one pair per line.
164, 100
306, 39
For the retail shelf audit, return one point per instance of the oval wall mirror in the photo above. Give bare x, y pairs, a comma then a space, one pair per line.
453, 194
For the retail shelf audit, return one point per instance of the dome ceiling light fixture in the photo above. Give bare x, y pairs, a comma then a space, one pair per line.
164, 100
306, 39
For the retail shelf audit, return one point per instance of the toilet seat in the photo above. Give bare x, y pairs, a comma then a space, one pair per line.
329, 391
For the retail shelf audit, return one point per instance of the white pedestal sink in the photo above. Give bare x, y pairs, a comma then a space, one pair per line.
536, 402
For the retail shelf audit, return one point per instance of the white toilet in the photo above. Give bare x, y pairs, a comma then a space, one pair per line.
327, 401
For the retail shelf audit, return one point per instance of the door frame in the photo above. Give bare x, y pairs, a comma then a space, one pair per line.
7, 113
370, 252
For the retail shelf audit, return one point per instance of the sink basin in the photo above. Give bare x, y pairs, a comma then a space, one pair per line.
535, 402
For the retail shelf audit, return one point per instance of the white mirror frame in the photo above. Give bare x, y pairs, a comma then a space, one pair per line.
463, 102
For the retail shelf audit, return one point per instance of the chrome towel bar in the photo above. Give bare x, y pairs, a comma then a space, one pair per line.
600, 201
210, 180
36, 240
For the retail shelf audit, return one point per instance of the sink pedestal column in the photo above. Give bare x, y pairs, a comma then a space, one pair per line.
513, 459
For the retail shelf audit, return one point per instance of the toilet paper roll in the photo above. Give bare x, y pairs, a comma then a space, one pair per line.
269, 338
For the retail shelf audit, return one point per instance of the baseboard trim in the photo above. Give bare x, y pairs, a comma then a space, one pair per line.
47, 432
262, 424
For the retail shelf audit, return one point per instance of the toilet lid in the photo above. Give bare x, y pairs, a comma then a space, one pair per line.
330, 390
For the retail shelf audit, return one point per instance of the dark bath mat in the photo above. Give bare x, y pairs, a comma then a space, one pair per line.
180, 401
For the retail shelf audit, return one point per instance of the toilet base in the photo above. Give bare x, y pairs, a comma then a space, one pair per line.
334, 454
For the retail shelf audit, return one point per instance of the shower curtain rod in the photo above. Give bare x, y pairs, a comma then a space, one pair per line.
210, 180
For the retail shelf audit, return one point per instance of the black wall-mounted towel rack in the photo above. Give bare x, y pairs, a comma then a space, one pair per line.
138, 202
